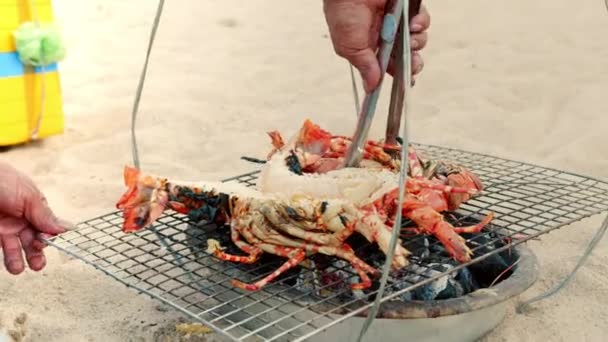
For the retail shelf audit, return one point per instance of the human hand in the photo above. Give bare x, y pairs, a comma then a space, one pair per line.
354, 27
24, 215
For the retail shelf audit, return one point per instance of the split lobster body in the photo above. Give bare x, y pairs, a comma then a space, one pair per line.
305, 203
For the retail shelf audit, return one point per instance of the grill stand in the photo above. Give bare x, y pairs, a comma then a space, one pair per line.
528, 200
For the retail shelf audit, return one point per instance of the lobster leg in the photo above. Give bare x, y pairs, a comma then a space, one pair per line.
349, 229
448, 189
369, 153
476, 228
254, 252
296, 257
415, 167
362, 269
299, 229
432, 222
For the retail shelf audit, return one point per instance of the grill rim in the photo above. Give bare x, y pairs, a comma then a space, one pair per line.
524, 275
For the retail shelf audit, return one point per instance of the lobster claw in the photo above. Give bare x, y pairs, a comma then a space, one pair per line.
467, 180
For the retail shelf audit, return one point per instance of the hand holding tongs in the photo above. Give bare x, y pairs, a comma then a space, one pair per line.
389, 35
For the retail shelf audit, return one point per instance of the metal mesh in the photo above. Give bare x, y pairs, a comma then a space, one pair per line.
169, 262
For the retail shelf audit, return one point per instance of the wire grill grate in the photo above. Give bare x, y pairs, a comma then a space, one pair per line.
169, 262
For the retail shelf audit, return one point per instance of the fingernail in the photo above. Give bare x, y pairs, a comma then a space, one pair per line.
416, 27
366, 86
44, 236
66, 225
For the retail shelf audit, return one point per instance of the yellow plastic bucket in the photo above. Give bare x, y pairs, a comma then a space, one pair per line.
20, 85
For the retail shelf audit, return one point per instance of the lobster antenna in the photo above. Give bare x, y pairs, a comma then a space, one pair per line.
140, 86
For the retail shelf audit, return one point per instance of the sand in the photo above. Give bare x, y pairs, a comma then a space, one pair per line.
519, 79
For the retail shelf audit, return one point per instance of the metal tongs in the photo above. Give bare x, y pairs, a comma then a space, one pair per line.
391, 37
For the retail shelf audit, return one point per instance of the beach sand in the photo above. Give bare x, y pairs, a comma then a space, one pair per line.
520, 79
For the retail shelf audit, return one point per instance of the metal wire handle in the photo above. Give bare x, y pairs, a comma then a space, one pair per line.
142, 80
581, 261
355, 91
403, 168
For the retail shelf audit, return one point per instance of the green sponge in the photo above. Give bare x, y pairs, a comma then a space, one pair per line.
39, 45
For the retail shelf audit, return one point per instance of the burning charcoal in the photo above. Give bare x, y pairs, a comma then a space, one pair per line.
327, 276
333, 274
339, 268
426, 253
437, 249
418, 245
399, 284
306, 281
442, 288
452, 290
336, 278
466, 280
430, 291
358, 294
378, 264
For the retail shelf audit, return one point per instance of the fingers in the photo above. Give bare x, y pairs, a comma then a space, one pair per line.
10, 225
39, 245
418, 29
21, 198
350, 25
419, 37
417, 63
38, 242
13, 259
33, 249
12, 245
38, 213
418, 41
366, 63
421, 21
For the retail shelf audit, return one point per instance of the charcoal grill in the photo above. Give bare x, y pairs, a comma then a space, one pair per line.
168, 262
